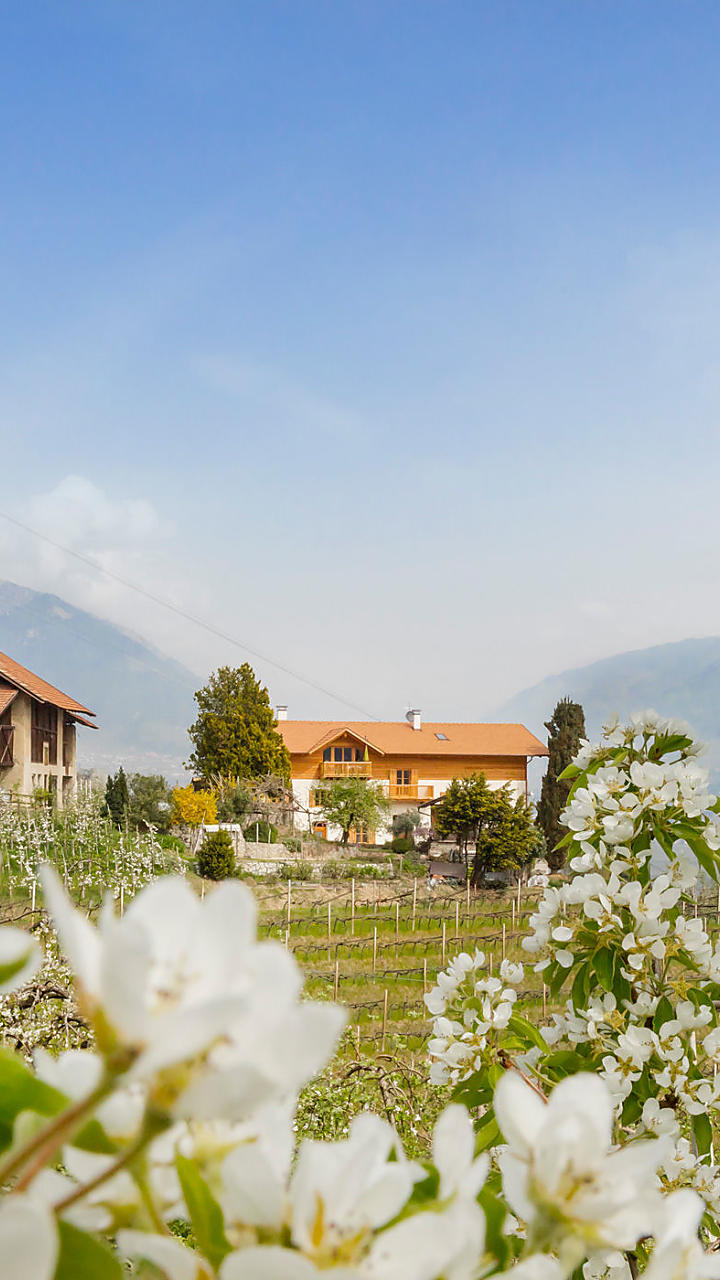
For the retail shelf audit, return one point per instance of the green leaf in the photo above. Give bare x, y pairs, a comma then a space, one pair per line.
663, 1013
488, 1135
580, 986
495, 1210
20, 1090
603, 963
83, 1255
527, 1032
702, 1130
205, 1212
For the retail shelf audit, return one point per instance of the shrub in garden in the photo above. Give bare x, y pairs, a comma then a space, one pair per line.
296, 871
402, 844
293, 844
261, 831
216, 859
601, 1124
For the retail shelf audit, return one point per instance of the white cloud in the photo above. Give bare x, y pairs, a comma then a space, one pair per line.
124, 535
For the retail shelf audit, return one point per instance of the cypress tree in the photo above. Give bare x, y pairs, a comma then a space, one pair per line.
566, 727
117, 798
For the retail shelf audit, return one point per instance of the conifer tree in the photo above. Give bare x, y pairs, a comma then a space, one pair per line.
117, 798
566, 727
235, 734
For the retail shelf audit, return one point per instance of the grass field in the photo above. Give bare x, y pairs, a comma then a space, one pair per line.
378, 947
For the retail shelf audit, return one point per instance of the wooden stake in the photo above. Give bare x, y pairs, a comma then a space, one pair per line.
337, 978
397, 925
122, 899
375, 948
202, 890
457, 920
424, 975
289, 902
352, 907
414, 909
287, 939
503, 941
468, 895
384, 1024
443, 944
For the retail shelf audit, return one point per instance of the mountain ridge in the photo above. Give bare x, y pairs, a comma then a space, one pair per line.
679, 679
110, 670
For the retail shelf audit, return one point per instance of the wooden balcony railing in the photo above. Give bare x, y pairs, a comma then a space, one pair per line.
7, 736
347, 769
410, 791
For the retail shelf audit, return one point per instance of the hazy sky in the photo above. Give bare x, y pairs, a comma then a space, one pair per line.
385, 335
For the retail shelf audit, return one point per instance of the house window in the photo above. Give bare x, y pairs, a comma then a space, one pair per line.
403, 777
327, 753
442, 737
43, 733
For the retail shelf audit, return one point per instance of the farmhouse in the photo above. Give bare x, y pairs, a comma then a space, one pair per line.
411, 761
37, 734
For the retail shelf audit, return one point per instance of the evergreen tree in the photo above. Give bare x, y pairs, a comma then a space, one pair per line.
500, 827
235, 734
117, 798
566, 727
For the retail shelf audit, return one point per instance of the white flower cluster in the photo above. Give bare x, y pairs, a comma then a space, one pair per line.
203, 1043
644, 973
185, 1109
471, 1009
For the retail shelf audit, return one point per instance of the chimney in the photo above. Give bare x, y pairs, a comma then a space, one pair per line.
414, 718
281, 713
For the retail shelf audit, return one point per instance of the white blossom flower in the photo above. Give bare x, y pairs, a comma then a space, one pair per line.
560, 1173
28, 1239
180, 982
678, 1253
453, 1151
20, 958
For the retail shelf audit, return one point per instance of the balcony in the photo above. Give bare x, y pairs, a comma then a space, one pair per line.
7, 736
410, 791
347, 769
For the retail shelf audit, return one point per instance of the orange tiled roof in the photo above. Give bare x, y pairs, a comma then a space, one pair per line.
397, 737
7, 695
23, 679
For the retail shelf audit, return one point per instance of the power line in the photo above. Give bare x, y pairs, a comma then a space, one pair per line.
188, 617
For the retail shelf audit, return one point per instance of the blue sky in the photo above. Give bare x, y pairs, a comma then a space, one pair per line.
383, 335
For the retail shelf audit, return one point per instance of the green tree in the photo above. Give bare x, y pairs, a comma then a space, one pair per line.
500, 828
117, 798
353, 802
149, 802
404, 824
566, 728
462, 809
216, 859
507, 840
235, 733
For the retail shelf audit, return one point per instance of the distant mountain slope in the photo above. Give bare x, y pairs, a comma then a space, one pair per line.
680, 679
143, 700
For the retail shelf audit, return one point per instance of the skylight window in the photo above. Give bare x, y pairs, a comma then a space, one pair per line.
442, 736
